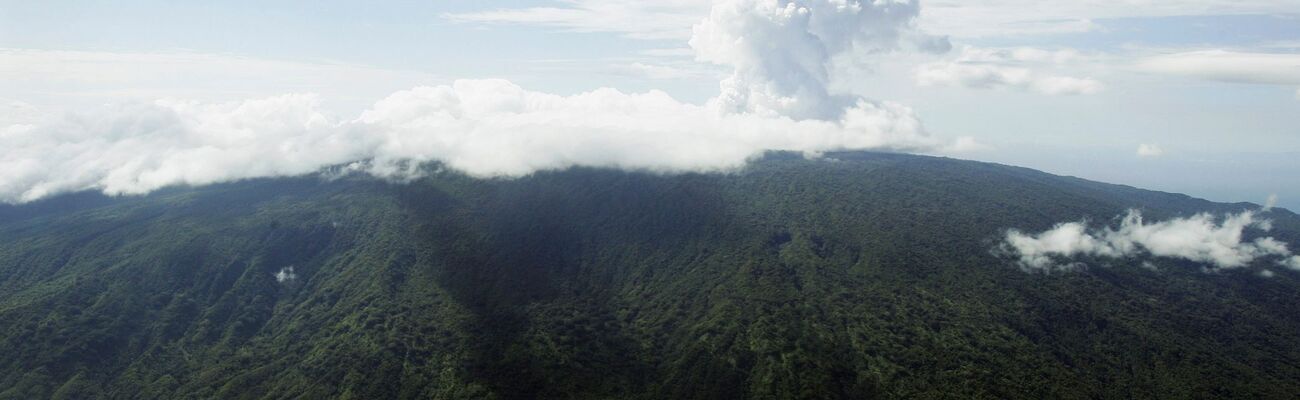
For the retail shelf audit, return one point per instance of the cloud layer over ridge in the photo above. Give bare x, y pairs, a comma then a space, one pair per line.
776, 99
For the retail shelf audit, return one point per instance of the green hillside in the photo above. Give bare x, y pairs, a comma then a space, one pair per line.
865, 275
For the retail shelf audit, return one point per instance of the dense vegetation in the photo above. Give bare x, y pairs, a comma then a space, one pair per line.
867, 276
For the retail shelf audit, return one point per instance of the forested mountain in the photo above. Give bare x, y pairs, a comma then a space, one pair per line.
858, 275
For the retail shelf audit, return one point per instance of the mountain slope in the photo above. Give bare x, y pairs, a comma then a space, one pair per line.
863, 275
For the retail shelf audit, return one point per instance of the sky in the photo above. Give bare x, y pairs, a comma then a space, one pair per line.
1195, 96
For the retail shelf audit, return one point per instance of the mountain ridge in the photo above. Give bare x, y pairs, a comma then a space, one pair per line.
856, 275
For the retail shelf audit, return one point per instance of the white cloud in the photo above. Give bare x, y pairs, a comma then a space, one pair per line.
1016, 68
1066, 240
285, 274
1267, 274
1228, 66
782, 51
491, 128
485, 128
776, 99
1270, 202
1150, 150
137, 147
1200, 238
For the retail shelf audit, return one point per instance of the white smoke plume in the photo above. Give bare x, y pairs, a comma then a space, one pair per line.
1200, 238
782, 50
777, 99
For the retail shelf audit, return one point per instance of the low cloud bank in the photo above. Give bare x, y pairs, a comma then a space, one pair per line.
1202, 238
776, 99
486, 128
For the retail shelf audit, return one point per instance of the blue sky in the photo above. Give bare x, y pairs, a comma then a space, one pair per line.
1072, 88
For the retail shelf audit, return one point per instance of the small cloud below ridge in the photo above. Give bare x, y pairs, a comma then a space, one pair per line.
1202, 238
285, 274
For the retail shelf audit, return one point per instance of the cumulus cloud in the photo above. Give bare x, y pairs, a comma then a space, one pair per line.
781, 51
776, 99
1202, 238
1150, 150
1019, 69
